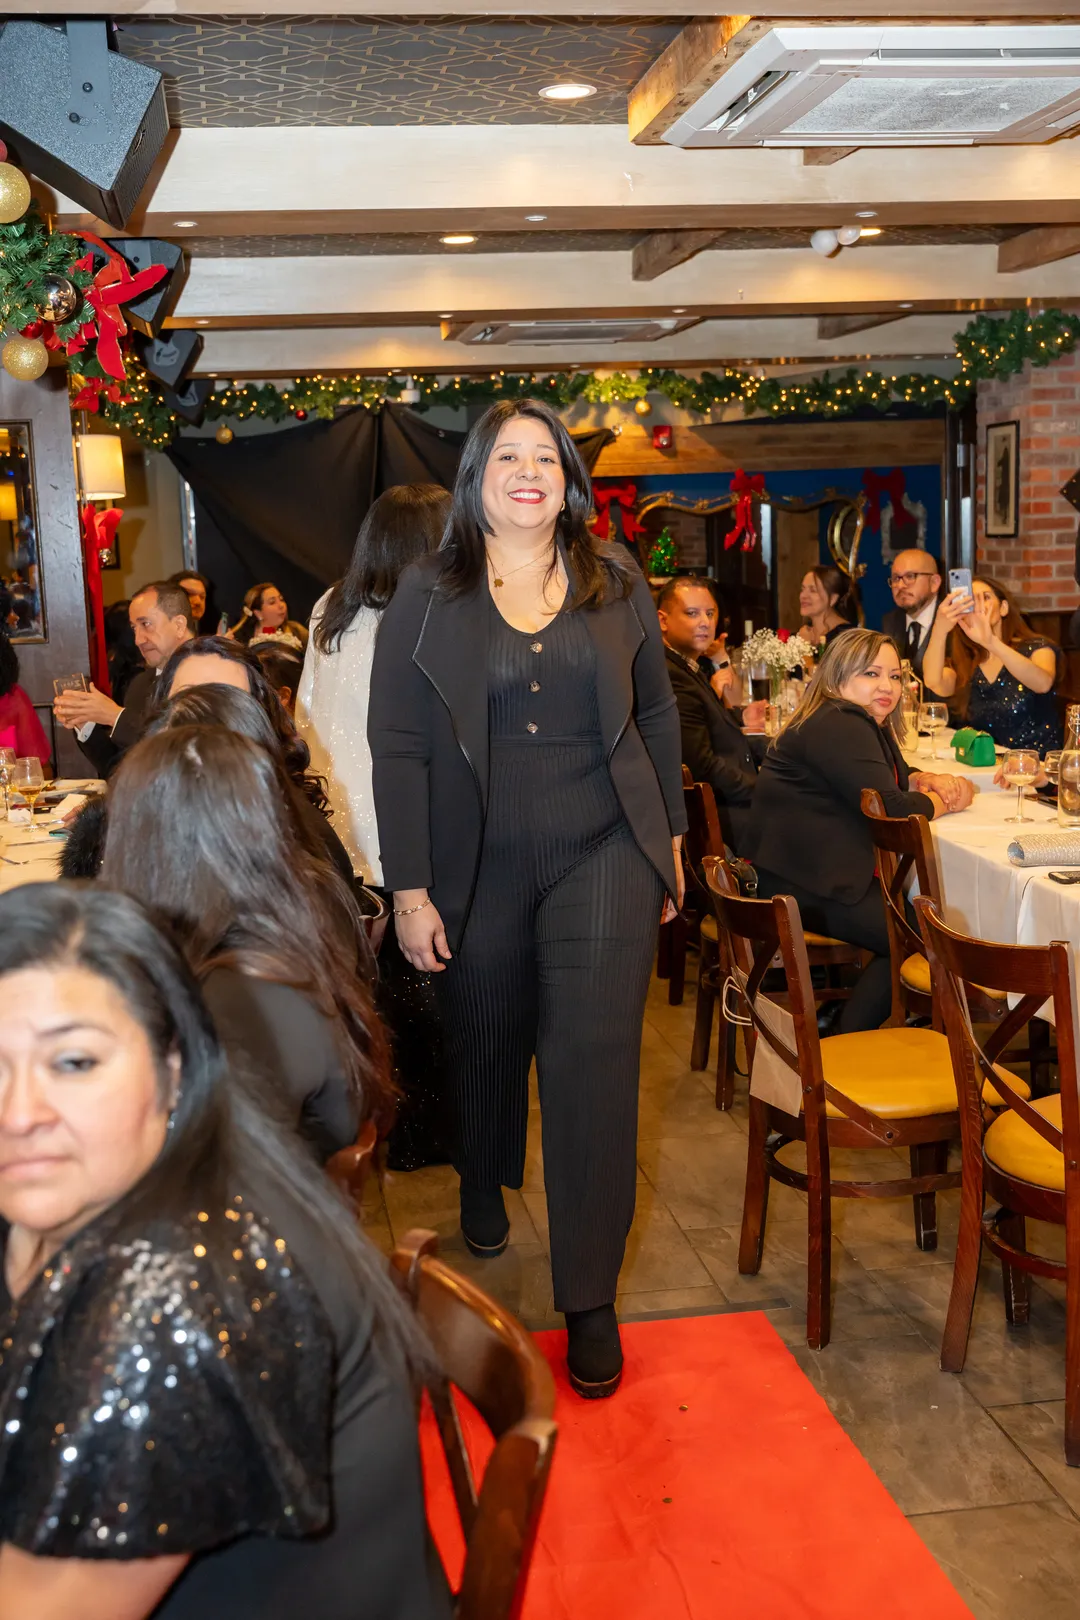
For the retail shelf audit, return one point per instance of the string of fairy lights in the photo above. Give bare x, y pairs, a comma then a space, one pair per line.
990, 346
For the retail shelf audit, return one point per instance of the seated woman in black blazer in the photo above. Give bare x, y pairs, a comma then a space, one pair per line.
808, 836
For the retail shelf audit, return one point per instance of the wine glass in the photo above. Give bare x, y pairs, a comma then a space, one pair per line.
7, 766
28, 778
1020, 767
933, 717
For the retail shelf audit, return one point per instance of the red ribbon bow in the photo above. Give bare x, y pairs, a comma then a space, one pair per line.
113, 285
885, 489
745, 486
624, 495
98, 535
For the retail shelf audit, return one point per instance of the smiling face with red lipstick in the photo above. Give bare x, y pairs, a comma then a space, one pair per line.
524, 485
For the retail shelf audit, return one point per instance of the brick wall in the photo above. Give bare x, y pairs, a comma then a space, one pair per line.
1039, 562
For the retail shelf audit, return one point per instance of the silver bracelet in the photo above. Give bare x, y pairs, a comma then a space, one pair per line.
408, 911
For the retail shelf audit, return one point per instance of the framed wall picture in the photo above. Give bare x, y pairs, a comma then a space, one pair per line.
1002, 510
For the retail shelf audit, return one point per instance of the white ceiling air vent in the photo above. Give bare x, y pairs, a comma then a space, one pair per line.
642, 329
923, 86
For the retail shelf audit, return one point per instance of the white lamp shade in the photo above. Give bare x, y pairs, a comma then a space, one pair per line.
101, 466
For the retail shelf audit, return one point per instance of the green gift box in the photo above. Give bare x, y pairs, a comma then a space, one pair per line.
974, 747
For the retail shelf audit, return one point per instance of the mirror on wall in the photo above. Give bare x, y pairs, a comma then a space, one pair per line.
22, 598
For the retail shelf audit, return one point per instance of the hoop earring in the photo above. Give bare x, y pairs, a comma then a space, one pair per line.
562, 508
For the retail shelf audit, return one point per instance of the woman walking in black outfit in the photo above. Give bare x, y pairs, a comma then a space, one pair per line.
527, 782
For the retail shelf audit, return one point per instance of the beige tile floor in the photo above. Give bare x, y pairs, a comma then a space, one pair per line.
975, 1461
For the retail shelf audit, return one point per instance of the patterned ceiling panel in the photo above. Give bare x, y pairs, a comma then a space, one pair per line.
243, 71
303, 247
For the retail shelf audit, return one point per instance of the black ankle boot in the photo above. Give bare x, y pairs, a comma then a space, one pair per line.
594, 1356
484, 1224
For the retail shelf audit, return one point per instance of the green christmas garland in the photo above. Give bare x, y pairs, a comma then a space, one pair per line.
988, 347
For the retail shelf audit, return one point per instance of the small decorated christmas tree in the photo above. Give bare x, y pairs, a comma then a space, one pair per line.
664, 557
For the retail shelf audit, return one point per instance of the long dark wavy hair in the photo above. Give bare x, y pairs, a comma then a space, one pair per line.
965, 656
294, 750
199, 829
223, 1136
834, 582
597, 569
405, 522
9, 664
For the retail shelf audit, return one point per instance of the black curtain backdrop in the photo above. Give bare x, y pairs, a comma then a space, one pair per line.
286, 506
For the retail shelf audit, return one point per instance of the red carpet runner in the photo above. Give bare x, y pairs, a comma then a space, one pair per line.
750, 1504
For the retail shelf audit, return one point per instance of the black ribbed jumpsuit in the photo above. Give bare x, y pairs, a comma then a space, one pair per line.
555, 959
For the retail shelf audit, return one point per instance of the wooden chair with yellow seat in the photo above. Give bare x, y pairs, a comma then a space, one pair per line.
904, 844
882, 1088
704, 839
481, 1350
1026, 1156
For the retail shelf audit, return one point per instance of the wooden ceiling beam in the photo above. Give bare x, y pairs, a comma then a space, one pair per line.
660, 252
1044, 245
831, 327
690, 65
820, 157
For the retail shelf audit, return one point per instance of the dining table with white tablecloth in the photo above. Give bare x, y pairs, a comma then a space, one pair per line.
31, 853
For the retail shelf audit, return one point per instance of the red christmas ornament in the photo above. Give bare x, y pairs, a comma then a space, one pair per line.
662, 438
301, 416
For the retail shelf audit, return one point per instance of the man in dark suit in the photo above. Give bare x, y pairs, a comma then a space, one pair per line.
915, 581
713, 744
162, 621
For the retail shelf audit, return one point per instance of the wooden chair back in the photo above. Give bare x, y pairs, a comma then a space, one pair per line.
1034, 973
350, 1167
704, 836
755, 932
485, 1353
903, 845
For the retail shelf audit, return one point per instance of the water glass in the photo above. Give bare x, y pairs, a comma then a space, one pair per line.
70, 683
933, 717
1020, 767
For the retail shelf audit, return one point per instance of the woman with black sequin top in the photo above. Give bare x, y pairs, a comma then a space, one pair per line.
997, 673
206, 1403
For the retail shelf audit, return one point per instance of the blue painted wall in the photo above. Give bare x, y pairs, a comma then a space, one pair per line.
921, 483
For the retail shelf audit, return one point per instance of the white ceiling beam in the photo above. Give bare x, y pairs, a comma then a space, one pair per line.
734, 343
277, 181
754, 281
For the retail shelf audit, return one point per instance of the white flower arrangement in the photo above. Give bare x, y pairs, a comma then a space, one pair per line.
766, 647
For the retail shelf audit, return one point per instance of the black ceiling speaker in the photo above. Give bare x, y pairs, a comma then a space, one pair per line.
189, 401
1071, 491
171, 357
79, 115
149, 313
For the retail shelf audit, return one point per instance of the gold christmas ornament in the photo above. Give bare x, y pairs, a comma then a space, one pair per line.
14, 194
25, 358
61, 299
224, 434
642, 407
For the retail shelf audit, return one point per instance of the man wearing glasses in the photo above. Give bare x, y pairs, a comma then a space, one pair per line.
915, 582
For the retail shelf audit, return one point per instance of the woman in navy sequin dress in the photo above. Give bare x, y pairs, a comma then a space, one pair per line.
998, 674
205, 1404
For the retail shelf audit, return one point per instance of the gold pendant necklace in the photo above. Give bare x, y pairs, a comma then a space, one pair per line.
498, 579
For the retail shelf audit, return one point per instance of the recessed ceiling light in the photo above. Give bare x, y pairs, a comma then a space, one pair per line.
535, 219
460, 239
866, 213
185, 224
870, 230
202, 323
905, 306
678, 312
447, 315
567, 92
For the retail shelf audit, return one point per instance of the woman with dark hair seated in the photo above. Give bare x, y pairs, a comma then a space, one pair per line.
829, 604
997, 673
217, 661
808, 836
20, 727
207, 1381
200, 829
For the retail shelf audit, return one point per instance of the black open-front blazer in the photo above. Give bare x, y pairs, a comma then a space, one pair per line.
428, 731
